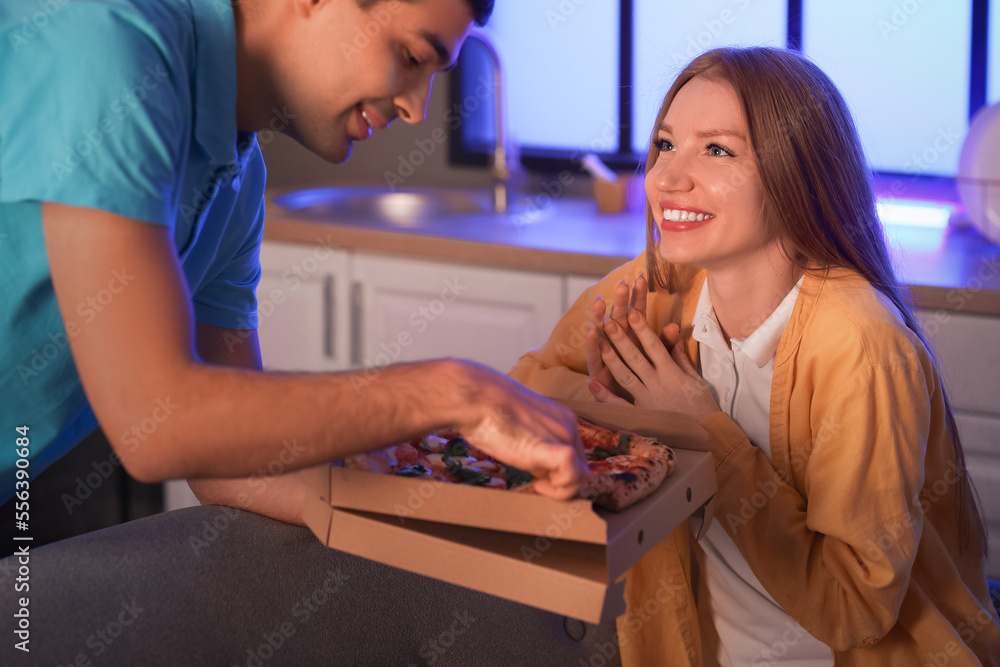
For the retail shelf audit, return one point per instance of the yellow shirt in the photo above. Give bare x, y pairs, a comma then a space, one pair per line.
852, 526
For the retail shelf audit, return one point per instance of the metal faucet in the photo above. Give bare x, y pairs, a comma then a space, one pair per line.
499, 170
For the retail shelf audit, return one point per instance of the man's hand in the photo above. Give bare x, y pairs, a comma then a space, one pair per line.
525, 430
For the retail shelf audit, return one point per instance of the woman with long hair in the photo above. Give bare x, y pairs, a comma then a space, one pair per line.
846, 527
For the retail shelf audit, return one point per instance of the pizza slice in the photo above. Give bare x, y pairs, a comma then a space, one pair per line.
625, 467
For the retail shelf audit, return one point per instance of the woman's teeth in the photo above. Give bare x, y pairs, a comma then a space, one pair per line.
676, 215
367, 119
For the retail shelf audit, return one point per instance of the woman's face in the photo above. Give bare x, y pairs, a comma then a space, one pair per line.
704, 188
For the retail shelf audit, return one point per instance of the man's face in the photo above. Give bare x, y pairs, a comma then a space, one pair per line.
346, 71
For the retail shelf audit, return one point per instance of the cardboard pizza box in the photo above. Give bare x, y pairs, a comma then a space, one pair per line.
567, 557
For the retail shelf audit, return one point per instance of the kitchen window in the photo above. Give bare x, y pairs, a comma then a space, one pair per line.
588, 75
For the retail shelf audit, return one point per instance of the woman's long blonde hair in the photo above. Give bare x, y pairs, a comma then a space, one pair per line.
818, 195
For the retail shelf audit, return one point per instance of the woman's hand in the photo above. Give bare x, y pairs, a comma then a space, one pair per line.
623, 304
656, 377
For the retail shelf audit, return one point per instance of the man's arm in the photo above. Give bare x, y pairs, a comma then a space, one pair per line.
272, 492
136, 359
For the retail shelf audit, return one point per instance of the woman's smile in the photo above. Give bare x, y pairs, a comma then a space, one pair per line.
681, 218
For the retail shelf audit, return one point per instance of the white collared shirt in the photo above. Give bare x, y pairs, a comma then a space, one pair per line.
753, 630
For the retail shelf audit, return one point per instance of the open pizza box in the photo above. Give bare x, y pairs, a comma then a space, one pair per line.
567, 557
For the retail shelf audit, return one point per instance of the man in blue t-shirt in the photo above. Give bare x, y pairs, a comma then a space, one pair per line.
131, 216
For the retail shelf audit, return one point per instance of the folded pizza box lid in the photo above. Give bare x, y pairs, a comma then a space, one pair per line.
563, 556
567, 578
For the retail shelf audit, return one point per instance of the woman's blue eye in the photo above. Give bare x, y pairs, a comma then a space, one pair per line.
718, 150
664, 145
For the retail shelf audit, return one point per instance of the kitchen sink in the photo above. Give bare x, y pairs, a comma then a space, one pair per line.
407, 207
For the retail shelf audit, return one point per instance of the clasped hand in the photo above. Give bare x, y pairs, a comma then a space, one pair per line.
629, 362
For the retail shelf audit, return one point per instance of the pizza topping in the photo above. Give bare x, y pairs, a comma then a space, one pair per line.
434, 443
599, 453
415, 470
406, 454
614, 464
457, 446
492, 466
624, 467
516, 476
465, 475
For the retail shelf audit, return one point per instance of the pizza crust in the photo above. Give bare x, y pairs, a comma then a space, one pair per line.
620, 481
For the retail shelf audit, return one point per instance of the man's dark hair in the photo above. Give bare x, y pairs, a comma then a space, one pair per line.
481, 9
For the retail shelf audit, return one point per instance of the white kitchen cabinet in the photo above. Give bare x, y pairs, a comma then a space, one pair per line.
302, 307
177, 495
981, 443
408, 310
968, 349
575, 286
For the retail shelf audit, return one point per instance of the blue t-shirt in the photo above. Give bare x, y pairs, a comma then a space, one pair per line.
128, 106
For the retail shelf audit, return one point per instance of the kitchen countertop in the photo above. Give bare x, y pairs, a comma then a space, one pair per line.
954, 269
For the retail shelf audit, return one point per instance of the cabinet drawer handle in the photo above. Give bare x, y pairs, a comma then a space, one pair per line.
357, 326
329, 318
